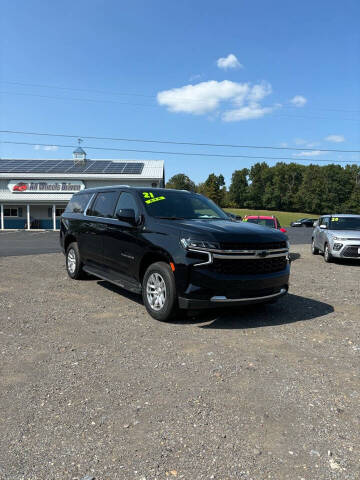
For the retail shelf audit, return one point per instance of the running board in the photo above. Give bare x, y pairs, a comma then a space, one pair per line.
120, 283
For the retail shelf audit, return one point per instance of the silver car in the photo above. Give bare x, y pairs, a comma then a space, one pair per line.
337, 236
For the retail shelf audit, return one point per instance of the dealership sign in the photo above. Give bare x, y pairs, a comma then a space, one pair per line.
48, 186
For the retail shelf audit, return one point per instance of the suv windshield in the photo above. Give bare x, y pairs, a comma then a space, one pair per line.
266, 222
345, 223
175, 205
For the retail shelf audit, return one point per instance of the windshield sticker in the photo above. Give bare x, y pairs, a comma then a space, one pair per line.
150, 197
335, 219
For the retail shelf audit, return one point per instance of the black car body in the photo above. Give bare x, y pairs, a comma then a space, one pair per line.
304, 222
119, 233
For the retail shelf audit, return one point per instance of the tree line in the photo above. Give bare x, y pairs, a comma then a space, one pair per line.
285, 186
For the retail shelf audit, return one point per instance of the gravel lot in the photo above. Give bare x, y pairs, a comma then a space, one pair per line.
91, 385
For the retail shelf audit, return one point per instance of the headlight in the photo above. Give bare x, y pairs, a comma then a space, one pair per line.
199, 244
337, 238
287, 244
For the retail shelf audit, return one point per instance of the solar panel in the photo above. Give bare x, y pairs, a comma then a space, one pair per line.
133, 168
115, 167
68, 166
98, 167
60, 167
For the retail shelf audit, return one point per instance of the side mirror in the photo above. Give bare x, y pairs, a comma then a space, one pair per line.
126, 215
282, 229
324, 227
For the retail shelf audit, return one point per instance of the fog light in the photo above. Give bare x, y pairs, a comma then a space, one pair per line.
337, 246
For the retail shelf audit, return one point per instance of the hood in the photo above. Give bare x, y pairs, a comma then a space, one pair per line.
345, 234
228, 231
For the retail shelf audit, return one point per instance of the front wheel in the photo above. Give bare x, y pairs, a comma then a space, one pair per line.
327, 254
314, 250
159, 291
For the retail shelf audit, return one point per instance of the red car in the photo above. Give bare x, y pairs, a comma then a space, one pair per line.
20, 187
265, 220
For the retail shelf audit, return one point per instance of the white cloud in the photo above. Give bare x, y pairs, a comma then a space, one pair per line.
312, 153
51, 148
335, 138
203, 97
298, 101
206, 97
228, 62
246, 113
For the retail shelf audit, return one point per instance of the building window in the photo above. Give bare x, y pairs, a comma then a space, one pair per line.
60, 211
11, 212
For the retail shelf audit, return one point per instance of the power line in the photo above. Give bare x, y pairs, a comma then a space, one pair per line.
77, 99
77, 89
185, 153
171, 142
196, 102
107, 92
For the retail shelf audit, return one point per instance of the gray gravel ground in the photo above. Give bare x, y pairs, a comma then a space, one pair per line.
91, 385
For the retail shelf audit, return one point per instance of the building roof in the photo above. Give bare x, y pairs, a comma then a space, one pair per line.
117, 169
79, 151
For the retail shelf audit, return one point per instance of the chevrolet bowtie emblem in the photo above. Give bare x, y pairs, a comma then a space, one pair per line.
263, 253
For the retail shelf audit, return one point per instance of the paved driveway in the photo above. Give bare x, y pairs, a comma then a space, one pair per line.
28, 243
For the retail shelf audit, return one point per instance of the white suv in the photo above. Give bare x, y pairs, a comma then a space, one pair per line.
337, 236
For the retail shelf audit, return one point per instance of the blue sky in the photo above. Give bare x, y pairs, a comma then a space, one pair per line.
151, 70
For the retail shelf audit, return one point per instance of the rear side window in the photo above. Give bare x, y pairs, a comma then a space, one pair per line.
78, 203
104, 205
127, 201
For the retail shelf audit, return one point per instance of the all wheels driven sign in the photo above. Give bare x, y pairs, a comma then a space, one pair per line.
48, 186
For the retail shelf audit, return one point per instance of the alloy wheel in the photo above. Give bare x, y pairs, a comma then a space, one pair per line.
71, 261
156, 291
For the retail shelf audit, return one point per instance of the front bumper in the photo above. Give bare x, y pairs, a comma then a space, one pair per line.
350, 250
238, 283
222, 301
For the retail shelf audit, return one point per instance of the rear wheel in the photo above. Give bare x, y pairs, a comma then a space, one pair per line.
314, 250
327, 254
159, 291
73, 262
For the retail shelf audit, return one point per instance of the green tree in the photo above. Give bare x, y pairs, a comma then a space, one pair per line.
257, 179
214, 188
180, 181
239, 188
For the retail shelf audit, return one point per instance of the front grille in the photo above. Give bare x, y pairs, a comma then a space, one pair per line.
252, 246
351, 252
249, 267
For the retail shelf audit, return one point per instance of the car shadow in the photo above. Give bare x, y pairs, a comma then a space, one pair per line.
121, 291
289, 309
294, 256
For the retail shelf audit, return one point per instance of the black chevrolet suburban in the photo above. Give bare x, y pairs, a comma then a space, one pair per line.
176, 248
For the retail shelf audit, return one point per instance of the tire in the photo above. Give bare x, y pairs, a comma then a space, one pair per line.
73, 262
327, 255
314, 250
162, 304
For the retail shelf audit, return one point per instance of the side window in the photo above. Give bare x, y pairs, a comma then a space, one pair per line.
326, 221
127, 202
78, 203
104, 205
